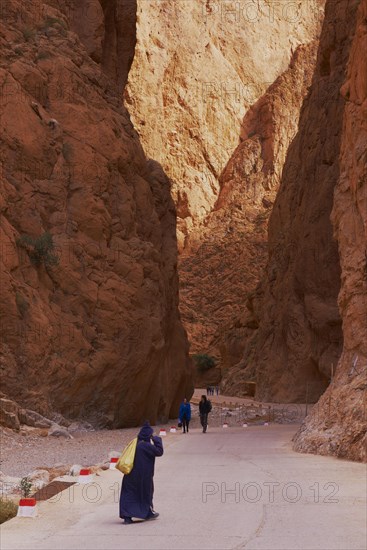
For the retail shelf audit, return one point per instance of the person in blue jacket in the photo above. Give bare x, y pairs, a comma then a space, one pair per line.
184, 415
136, 499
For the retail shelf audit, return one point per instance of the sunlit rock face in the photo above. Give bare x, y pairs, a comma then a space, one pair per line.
198, 67
219, 274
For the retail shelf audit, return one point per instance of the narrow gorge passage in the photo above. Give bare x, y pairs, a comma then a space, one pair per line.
180, 178
226, 106
253, 151
183, 211
226, 174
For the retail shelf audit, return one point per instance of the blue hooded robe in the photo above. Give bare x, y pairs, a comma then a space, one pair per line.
136, 499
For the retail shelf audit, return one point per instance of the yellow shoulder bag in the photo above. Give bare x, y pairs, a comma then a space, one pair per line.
126, 461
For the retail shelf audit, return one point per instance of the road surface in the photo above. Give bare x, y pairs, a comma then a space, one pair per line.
235, 488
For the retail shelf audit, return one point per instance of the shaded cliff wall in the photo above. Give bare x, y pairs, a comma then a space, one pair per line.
338, 423
107, 29
96, 333
300, 337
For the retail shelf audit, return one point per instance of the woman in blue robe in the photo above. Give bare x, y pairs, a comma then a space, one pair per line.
136, 499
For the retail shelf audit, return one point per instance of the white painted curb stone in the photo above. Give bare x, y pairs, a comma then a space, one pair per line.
85, 476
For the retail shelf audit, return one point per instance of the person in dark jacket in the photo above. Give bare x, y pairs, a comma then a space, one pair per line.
136, 498
184, 415
204, 409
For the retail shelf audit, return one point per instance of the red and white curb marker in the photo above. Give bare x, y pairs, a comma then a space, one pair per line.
162, 431
173, 430
27, 508
225, 425
113, 462
85, 476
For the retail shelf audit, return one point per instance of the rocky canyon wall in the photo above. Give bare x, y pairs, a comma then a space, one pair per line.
311, 305
89, 328
299, 339
338, 423
218, 277
198, 67
204, 79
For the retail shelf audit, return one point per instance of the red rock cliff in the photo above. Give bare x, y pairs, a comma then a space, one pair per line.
97, 332
311, 304
338, 423
217, 274
300, 333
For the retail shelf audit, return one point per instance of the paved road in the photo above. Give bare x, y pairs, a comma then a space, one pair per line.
227, 489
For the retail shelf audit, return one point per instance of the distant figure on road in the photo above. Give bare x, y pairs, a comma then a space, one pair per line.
204, 409
217, 389
184, 415
136, 500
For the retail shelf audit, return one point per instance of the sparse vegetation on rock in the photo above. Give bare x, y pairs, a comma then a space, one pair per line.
204, 362
40, 249
25, 486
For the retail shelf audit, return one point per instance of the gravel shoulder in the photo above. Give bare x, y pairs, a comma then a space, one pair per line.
21, 454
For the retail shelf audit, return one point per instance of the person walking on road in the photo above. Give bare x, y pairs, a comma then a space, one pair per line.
184, 415
205, 407
136, 499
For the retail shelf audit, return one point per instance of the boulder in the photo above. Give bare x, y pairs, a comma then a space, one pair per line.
57, 470
8, 484
58, 431
9, 420
32, 418
39, 478
75, 469
9, 414
8, 405
58, 418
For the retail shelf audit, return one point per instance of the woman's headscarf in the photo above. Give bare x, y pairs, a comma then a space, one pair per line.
146, 432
